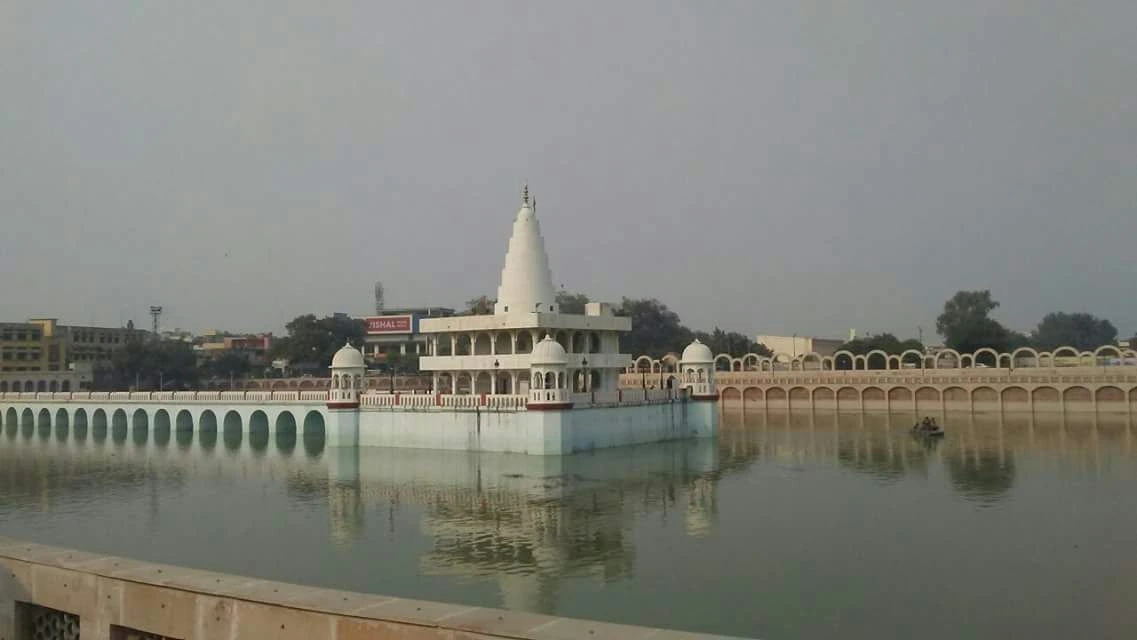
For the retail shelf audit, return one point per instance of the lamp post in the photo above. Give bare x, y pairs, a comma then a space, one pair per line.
496, 364
587, 378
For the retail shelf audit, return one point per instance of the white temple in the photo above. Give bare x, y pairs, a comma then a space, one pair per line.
526, 379
493, 354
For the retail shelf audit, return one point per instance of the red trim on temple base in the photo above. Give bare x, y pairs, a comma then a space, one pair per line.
343, 405
548, 406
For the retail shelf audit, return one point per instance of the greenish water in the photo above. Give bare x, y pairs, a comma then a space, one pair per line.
785, 527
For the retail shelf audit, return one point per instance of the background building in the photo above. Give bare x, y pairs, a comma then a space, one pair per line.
43, 355
797, 345
396, 331
254, 348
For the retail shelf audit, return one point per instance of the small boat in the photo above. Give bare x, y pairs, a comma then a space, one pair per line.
933, 431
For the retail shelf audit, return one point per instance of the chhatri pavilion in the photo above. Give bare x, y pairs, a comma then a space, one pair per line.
527, 346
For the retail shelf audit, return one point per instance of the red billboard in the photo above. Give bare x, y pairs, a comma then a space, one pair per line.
390, 324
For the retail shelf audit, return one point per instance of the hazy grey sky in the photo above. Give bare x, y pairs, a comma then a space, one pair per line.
769, 167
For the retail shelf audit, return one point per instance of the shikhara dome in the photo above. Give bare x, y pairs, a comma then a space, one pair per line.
526, 281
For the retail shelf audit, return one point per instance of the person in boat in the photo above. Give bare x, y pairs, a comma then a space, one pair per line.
926, 424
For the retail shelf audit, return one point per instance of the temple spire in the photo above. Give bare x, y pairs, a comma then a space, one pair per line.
526, 282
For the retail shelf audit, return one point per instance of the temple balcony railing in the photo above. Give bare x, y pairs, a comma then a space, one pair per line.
516, 361
510, 402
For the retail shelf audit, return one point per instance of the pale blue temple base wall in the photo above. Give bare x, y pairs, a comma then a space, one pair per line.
530, 432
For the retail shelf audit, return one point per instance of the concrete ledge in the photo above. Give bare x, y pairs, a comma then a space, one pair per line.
190, 604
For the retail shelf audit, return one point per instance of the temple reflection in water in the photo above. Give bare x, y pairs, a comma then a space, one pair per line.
526, 521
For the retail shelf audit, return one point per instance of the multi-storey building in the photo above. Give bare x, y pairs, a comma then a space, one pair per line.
43, 355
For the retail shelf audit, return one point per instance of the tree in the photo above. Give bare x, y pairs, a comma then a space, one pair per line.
1082, 331
966, 324
150, 364
656, 330
480, 306
732, 342
569, 302
227, 364
312, 341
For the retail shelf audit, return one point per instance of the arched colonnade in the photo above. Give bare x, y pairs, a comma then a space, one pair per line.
299, 421
1104, 397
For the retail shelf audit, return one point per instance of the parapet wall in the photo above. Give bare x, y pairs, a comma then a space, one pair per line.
106, 598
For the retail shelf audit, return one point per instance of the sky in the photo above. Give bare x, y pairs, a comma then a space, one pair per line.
768, 167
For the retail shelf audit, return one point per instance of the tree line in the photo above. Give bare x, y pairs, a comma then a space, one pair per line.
967, 326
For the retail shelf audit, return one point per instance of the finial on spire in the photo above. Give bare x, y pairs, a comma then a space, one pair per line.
525, 194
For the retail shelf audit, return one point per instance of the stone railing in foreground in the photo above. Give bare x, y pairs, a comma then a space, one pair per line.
73, 594
508, 402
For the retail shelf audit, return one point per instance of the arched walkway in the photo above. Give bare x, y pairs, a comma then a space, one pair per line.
314, 425
258, 422
99, 423
162, 420
140, 421
232, 430
44, 420
285, 423
207, 423
183, 421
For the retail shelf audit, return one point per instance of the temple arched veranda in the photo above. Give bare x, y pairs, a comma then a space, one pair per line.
491, 354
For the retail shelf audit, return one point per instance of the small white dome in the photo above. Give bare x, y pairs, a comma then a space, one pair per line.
348, 357
697, 353
548, 351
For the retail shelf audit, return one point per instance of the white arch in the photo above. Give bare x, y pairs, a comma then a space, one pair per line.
919, 356
1016, 352
815, 356
746, 358
994, 356
942, 352
723, 356
849, 354
1106, 347
1061, 350
876, 352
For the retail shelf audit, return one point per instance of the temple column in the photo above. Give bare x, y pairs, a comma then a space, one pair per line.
493, 344
513, 341
453, 345
453, 383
